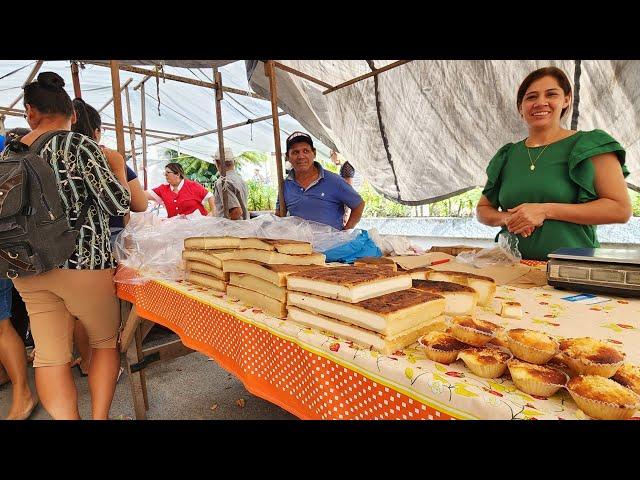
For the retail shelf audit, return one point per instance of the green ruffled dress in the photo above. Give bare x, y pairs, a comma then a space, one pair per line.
563, 174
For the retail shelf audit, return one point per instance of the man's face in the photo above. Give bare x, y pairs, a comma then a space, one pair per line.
301, 156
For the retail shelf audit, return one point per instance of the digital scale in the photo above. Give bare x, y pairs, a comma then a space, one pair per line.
601, 270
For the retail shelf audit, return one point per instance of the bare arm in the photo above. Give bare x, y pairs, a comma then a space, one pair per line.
235, 213
354, 218
139, 200
117, 165
489, 215
212, 206
612, 206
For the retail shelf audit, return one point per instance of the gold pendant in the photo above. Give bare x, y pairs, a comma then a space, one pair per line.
532, 168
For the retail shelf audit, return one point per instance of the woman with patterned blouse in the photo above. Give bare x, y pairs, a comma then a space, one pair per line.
81, 287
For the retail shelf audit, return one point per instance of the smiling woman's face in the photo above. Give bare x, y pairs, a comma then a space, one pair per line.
543, 103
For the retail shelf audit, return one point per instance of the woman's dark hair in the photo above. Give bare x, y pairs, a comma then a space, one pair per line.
554, 72
87, 118
47, 94
175, 168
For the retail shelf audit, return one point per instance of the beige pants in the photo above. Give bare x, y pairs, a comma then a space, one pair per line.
56, 298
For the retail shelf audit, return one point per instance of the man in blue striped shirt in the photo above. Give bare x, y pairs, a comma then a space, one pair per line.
312, 193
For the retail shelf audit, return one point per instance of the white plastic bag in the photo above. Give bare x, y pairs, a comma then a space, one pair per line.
505, 253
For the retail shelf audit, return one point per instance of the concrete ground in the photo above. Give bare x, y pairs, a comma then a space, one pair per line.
191, 387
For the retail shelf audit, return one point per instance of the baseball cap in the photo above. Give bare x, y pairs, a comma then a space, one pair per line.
228, 155
297, 137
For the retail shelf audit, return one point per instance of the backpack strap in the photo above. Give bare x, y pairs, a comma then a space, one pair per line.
42, 140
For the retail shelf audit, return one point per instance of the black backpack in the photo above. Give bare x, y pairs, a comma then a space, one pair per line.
35, 235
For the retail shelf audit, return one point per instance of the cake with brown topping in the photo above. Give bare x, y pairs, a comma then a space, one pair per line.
536, 379
602, 398
486, 362
441, 347
588, 356
485, 286
473, 331
628, 376
531, 346
461, 300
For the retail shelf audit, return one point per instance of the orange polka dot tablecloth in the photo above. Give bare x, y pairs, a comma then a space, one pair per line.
317, 376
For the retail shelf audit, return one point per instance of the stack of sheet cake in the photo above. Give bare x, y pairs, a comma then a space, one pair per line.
256, 268
204, 267
373, 307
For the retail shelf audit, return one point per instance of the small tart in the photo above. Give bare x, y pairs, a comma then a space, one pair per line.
628, 376
602, 398
441, 347
531, 346
486, 362
536, 379
588, 356
473, 331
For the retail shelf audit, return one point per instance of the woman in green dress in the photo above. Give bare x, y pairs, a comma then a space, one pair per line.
553, 187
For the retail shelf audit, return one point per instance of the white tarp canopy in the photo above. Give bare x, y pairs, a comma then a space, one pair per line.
427, 129
183, 108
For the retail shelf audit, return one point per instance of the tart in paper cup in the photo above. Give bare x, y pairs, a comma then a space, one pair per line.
582, 366
531, 346
588, 356
486, 362
441, 347
473, 331
538, 380
602, 398
628, 376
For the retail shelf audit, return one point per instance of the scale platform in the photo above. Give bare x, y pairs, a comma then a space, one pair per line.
600, 270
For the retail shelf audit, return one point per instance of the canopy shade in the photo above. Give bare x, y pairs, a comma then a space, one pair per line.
427, 129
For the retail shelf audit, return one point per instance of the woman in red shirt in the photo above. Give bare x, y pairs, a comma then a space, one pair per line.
180, 195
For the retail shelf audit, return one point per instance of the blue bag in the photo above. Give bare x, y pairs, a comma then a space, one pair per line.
361, 246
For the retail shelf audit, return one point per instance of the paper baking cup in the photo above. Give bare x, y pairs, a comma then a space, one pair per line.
530, 354
437, 355
471, 336
604, 410
489, 371
582, 366
537, 387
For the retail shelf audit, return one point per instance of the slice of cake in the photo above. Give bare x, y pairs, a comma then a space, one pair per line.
272, 257
418, 273
387, 314
210, 257
366, 338
212, 243
376, 262
206, 281
510, 309
461, 300
249, 297
294, 247
349, 284
485, 286
276, 274
207, 269
258, 285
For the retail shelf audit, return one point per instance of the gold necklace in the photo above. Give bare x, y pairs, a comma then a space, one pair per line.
533, 162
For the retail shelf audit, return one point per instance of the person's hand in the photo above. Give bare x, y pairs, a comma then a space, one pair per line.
211, 213
525, 217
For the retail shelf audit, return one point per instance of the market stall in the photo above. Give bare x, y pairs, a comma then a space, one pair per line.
316, 376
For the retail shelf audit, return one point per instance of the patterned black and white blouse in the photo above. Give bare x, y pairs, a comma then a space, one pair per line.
84, 177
